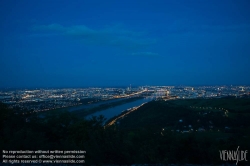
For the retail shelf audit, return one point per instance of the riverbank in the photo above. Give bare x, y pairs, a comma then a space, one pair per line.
122, 115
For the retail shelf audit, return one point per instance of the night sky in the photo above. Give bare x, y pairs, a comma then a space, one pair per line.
57, 43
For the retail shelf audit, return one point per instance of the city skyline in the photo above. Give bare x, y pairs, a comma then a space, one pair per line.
117, 86
118, 43
37, 100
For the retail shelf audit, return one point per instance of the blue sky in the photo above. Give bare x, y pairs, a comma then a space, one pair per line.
57, 43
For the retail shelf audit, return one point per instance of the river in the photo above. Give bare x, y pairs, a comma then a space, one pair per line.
87, 106
111, 112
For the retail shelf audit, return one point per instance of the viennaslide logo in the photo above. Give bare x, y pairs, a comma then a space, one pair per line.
233, 155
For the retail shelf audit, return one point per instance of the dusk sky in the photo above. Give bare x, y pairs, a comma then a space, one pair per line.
77, 43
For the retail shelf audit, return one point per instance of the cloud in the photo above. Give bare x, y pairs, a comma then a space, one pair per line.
146, 54
109, 36
51, 27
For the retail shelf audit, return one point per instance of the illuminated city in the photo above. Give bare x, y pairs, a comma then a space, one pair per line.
36, 100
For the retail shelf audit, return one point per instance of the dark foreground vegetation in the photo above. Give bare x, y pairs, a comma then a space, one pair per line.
158, 132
